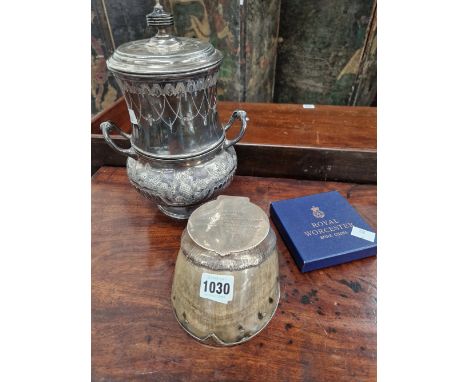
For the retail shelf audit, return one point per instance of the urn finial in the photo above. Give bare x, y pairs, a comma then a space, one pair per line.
159, 17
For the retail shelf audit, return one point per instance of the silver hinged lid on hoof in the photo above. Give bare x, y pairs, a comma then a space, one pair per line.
226, 284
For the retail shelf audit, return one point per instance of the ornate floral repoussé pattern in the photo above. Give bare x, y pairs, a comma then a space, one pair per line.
183, 186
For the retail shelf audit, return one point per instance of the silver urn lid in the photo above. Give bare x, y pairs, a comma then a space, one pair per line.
163, 54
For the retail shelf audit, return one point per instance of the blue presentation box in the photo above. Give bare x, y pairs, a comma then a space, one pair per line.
323, 230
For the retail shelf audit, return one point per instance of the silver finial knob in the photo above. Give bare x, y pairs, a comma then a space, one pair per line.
159, 17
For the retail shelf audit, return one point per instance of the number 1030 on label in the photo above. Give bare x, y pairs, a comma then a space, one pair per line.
218, 288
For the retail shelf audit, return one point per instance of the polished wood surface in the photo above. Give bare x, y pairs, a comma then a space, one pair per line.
342, 127
324, 328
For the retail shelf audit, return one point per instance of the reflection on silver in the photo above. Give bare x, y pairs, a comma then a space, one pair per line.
181, 187
241, 224
179, 155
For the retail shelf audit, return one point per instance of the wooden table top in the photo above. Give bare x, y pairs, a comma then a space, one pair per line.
324, 328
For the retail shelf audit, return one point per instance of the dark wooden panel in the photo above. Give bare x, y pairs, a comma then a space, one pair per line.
286, 124
103, 155
321, 51
307, 163
274, 161
324, 329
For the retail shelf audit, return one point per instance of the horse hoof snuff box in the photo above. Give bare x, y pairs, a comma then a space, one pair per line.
226, 285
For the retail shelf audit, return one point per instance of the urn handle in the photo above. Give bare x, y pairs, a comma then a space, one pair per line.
106, 127
242, 116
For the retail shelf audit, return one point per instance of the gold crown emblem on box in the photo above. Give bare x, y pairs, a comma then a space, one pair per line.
317, 213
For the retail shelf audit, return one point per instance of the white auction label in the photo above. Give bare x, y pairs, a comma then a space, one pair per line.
219, 288
133, 118
363, 234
